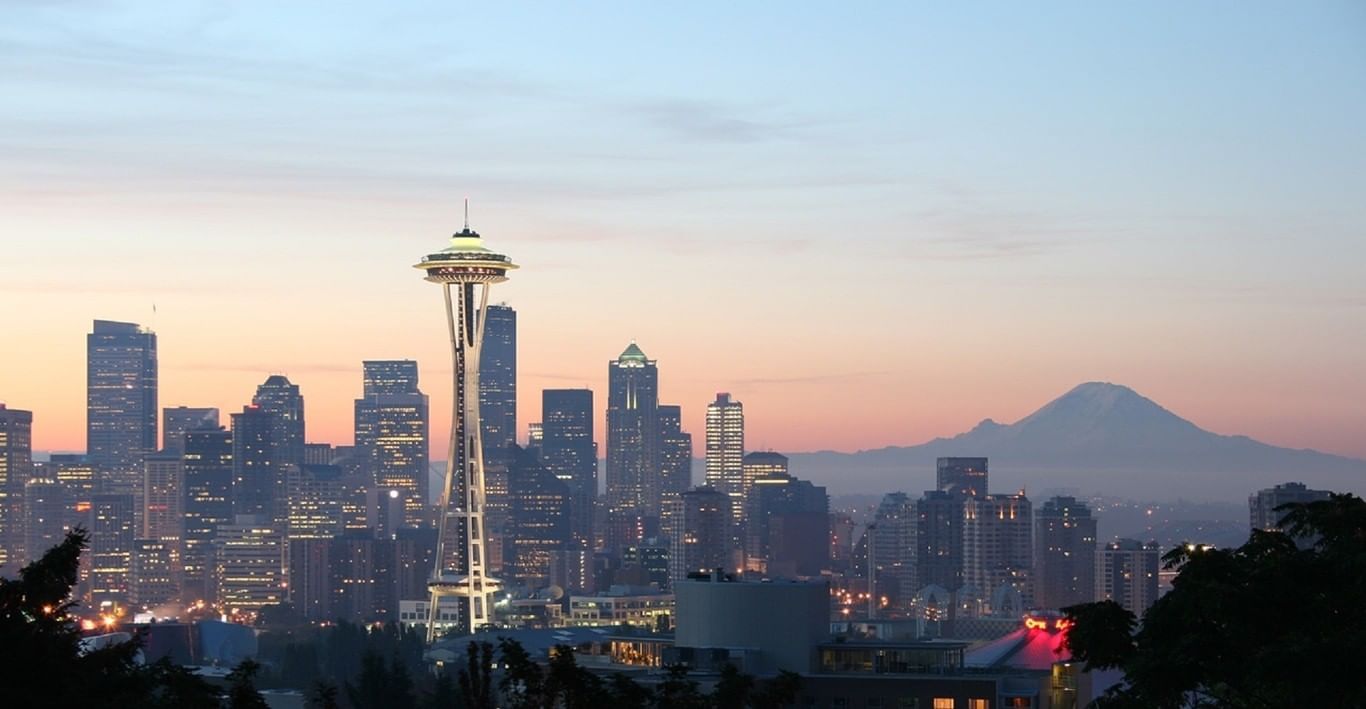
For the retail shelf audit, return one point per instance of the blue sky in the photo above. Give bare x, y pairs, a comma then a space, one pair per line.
988, 201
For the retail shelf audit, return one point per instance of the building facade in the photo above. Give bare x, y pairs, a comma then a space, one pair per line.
1064, 553
1126, 573
121, 401
568, 451
726, 451
633, 474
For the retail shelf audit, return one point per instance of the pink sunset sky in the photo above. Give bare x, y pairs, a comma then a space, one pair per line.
886, 242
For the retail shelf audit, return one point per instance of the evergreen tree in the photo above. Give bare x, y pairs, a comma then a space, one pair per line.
1269, 624
677, 690
43, 664
476, 680
323, 696
732, 689
523, 682
242, 692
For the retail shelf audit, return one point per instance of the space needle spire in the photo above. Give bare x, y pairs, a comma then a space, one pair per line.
465, 270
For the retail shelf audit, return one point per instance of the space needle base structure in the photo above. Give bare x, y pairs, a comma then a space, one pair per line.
465, 270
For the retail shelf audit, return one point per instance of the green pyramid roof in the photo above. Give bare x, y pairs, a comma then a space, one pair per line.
632, 353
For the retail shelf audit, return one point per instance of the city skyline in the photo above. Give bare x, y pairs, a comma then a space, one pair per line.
999, 264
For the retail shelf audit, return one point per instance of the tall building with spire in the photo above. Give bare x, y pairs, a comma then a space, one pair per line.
121, 401
465, 270
391, 433
726, 451
633, 469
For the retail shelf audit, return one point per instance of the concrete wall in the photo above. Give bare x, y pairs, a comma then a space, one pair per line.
783, 620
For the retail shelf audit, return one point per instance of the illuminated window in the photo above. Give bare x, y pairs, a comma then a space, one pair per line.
943, 703
977, 704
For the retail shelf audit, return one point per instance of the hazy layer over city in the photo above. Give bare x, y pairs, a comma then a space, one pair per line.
874, 226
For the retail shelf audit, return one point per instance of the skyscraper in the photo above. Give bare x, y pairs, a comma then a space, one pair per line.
391, 431
498, 383
16, 466
761, 464
998, 548
1262, 504
1126, 573
208, 477
538, 519
47, 515
277, 396
111, 548
176, 421
788, 526
675, 451
569, 452
633, 482
388, 376
1064, 553
121, 401
162, 497
465, 270
966, 476
256, 490
939, 540
249, 561
697, 526
726, 451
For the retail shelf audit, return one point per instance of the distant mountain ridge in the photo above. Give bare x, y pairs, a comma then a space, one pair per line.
1097, 438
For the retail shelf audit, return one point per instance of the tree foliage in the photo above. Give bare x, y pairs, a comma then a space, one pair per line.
1269, 624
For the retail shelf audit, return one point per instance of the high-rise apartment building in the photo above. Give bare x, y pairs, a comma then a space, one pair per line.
998, 549
726, 451
675, 451
175, 421
498, 383
939, 539
208, 477
892, 548
1262, 504
16, 467
966, 476
391, 433
633, 471
1126, 573
570, 453
280, 398
697, 525
121, 401
1064, 553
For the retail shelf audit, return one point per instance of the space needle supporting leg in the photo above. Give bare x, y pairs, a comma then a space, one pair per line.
433, 612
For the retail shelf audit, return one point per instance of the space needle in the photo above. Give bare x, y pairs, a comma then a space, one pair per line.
465, 270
